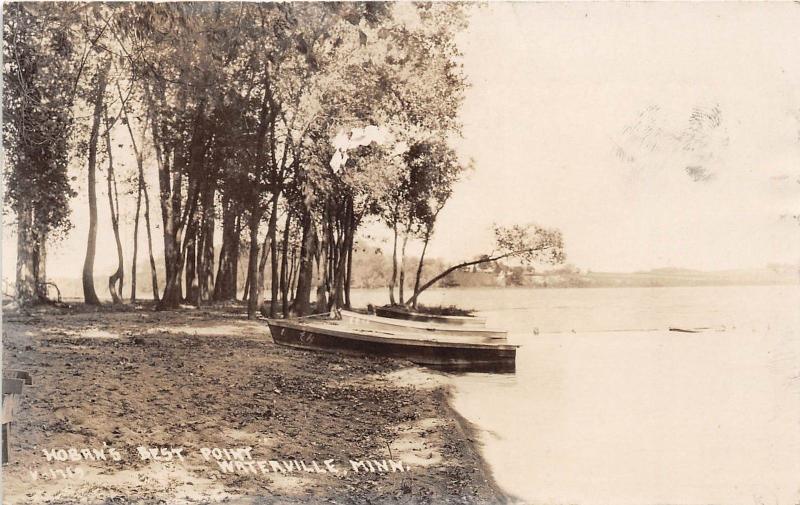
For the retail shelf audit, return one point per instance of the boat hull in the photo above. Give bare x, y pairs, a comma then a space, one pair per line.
433, 330
442, 355
395, 313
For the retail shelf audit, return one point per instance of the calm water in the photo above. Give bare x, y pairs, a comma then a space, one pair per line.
609, 407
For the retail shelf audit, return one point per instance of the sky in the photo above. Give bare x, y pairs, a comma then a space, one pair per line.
651, 134
559, 91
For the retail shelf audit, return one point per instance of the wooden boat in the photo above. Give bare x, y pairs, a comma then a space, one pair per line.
683, 330
398, 313
468, 333
697, 330
332, 336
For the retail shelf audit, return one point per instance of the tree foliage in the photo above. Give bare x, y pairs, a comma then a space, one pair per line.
39, 78
288, 125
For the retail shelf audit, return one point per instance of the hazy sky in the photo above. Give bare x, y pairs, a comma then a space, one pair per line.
651, 134
554, 88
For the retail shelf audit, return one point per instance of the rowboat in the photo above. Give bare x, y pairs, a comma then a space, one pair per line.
684, 330
398, 313
434, 330
337, 336
697, 330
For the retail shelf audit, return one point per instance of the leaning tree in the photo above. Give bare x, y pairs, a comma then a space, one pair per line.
526, 243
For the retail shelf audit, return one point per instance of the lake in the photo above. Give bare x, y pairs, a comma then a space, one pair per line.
609, 407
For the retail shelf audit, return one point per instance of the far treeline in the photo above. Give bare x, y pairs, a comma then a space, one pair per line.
284, 126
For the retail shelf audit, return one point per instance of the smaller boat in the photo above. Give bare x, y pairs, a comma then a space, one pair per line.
335, 336
696, 330
410, 315
683, 330
433, 330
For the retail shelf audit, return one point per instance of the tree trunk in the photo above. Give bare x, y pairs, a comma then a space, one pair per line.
445, 273
139, 190
153, 275
188, 160
235, 256
403, 267
172, 244
40, 264
340, 277
394, 268
221, 279
246, 293
262, 265
419, 268
205, 263
142, 191
305, 270
255, 285
136, 236
333, 261
225, 287
115, 280
262, 268
89, 294
322, 278
349, 275
192, 284
168, 186
252, 299
284, 267
273, 246
190, 251
294, 267
26, 281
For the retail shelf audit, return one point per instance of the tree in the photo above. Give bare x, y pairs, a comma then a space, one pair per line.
528, 244
433, 170
141, 191
423, 112
426, 177
100, 81
394, 74
360, 185
40, 77
115, 280
242, 104
181, 58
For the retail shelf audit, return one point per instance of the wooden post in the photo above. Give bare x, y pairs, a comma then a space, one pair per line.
12, 390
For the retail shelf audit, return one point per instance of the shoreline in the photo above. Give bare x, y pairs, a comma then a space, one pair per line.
165, 390
471, 432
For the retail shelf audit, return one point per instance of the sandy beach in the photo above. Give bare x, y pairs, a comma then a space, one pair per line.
199, 406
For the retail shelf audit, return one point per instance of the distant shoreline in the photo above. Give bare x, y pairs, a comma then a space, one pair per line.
70, 296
